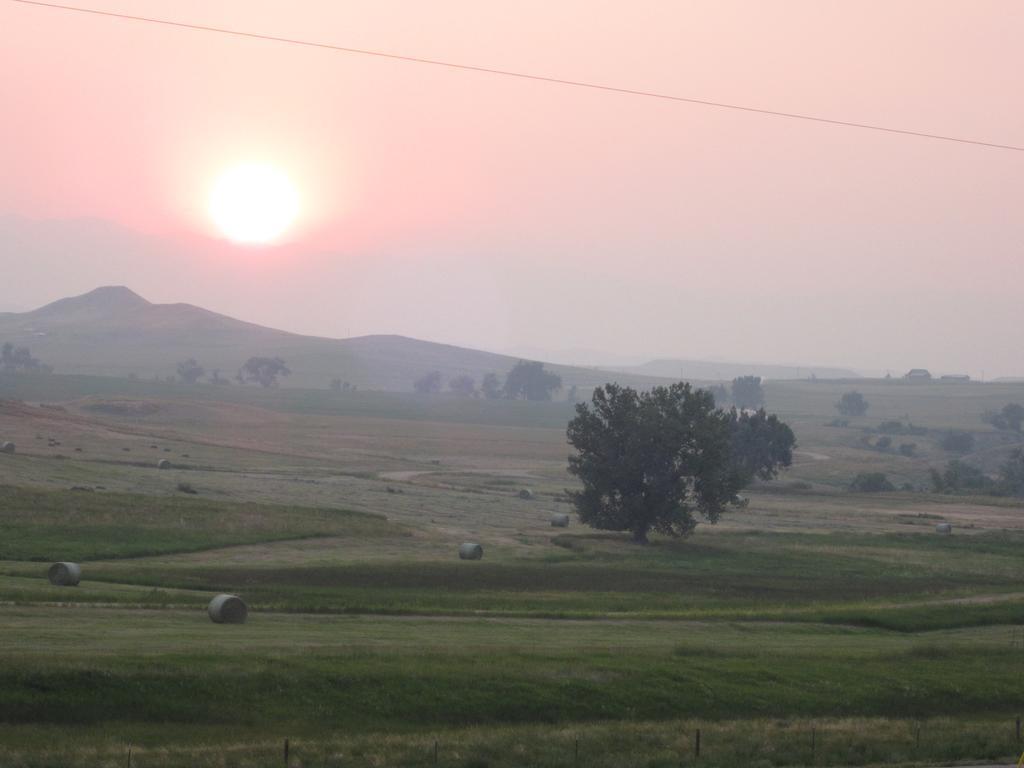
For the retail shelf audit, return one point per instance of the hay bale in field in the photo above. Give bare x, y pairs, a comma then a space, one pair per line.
65, 574
559, 520
8, 447
228, 609
471, 551
944, 528
163, 464
526, 493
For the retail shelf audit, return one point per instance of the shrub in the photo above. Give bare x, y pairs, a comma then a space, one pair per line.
852, 404
955, 441
1011, 417
1011, 475
959, 476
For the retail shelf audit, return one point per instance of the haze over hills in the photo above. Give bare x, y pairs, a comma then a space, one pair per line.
707, 370
114, 331
680, 368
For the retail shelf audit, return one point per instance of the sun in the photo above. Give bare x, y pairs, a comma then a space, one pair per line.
253, 203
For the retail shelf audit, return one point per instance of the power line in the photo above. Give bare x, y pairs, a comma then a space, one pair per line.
520, 75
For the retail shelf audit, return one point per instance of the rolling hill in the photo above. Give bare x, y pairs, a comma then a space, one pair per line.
113, 331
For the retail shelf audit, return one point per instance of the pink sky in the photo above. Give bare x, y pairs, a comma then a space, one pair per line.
497, 213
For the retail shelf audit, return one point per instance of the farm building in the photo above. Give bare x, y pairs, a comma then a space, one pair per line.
955, 377
918, 374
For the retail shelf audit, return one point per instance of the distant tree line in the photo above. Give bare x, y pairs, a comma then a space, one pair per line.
337, 385
20, 360
961, 477
526, 380
264, 371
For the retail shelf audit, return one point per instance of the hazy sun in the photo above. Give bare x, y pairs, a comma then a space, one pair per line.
253, 203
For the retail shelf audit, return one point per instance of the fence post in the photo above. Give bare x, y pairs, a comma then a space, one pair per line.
918, 736
130, 749
813, 742
696, 744
576, 756
435, 751
286, 753
1018, 729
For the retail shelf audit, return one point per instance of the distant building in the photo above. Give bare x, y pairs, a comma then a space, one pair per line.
918, 374
955, 377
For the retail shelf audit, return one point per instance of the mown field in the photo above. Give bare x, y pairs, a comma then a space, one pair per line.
813, 627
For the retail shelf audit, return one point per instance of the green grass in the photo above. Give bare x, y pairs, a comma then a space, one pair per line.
840, 612
835, 578
377, 673
759, 743
42, 525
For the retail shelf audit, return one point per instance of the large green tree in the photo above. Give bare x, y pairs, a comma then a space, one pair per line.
655, 461
761, 444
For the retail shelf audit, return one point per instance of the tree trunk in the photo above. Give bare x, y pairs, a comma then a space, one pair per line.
640, 536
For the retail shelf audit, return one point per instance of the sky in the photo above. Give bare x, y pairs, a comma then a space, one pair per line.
502, 213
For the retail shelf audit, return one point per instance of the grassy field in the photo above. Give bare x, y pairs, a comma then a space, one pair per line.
337, 517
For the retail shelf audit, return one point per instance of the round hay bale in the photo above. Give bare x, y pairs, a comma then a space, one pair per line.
526, 493
228, 609
559, 520
7, 447
65, 574
163, 464
471, 551
944, 528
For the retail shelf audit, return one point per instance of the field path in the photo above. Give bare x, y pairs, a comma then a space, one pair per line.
814, 456
404, 475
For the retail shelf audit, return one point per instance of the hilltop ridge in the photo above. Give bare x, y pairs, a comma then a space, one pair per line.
112, 330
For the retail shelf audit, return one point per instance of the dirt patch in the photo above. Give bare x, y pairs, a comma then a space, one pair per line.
123, 407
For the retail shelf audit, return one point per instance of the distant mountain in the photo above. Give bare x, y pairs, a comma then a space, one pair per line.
114, 331
704, 370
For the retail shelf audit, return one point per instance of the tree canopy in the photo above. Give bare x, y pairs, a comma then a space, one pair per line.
747, 392
529, 381
761, 444
852, 404
1010, 417
428, 383
19, 360
190, 371
464, 385
654, 461
490, 386
263, 371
